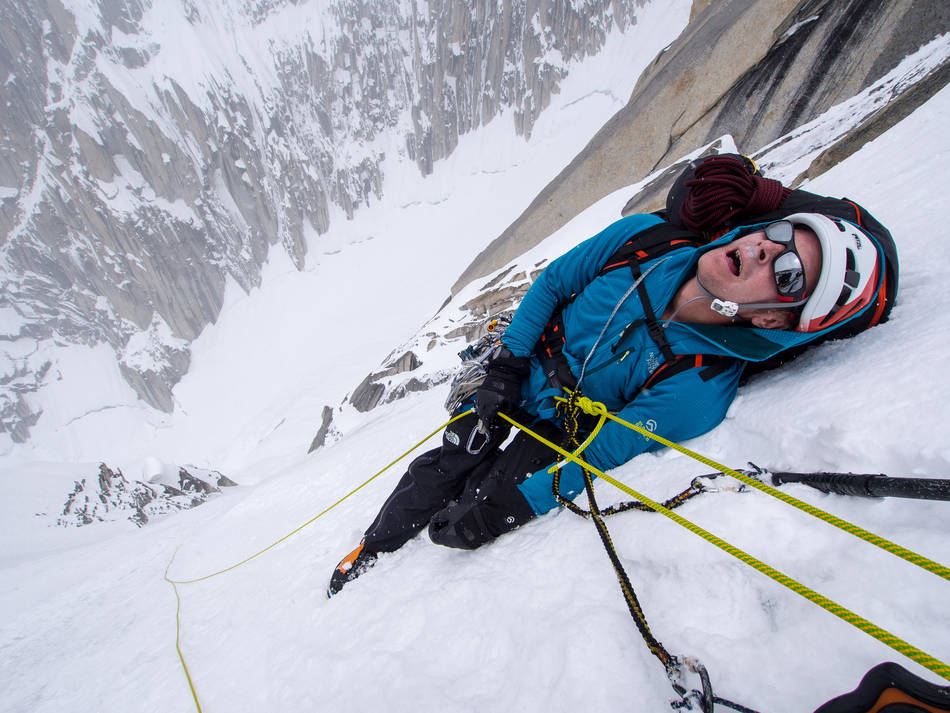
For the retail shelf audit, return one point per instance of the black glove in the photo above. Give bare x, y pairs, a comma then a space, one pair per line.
501, 389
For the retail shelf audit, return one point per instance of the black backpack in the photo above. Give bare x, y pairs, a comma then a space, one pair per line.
718, 193
710, 197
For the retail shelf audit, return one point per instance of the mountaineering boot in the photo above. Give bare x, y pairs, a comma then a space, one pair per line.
890, 688
351, 567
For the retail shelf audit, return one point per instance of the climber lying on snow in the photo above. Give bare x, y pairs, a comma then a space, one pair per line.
658, 323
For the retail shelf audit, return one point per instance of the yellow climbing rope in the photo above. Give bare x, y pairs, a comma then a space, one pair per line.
322, 512
885, 637
600, 410
176, 582
919, 560
181, 656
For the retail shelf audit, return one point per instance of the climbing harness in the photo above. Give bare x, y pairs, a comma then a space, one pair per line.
651, 243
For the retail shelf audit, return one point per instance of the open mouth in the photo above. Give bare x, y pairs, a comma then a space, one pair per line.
735, 262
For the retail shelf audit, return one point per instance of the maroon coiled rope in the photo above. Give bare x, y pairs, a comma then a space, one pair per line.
722, 189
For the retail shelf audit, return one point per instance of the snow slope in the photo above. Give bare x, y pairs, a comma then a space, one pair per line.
535, 621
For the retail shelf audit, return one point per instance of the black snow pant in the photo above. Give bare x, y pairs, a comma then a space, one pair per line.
465, 499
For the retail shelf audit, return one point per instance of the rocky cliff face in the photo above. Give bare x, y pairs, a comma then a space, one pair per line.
745, 68
804, 151
153, 151
111, 496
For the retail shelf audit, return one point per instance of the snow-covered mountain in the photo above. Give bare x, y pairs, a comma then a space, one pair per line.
154, 151
533, 622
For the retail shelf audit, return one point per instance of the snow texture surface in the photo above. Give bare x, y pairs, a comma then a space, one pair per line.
535, 621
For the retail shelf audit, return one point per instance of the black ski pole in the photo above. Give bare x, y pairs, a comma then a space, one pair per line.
869, 486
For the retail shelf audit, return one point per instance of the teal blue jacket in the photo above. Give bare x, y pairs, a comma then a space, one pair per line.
680, 407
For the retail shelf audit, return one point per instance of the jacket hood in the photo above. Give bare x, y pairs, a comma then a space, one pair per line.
755, 344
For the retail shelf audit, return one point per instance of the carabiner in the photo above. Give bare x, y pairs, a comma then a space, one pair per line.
482, 429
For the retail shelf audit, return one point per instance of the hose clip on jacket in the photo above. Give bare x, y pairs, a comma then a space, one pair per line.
724, 307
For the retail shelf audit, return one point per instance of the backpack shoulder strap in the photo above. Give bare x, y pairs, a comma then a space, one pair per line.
550, 350
712, 365
647, 245
650, 244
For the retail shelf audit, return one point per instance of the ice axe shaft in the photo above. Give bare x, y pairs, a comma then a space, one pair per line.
869, 485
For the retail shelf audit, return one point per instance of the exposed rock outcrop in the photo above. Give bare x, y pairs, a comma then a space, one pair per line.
113, 497
320, 439
498, 296
451, 330
752, 70
370, 392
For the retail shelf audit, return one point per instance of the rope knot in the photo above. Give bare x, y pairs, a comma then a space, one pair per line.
593, 408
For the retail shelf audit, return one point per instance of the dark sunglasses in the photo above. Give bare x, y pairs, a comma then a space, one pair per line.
788, 267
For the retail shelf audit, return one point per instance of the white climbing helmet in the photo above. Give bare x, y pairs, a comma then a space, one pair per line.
850, 271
